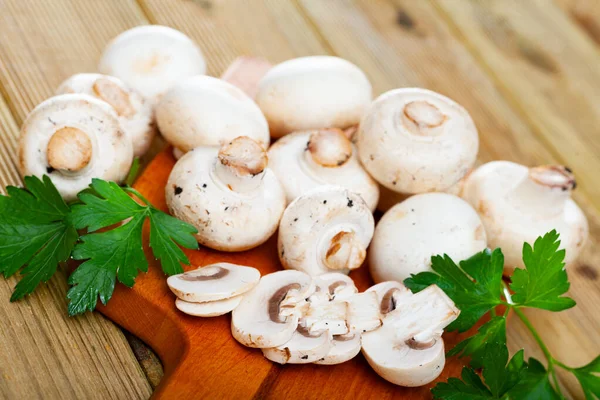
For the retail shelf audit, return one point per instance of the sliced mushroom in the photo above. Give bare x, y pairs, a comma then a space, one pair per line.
302, 348
517, 204
151, 59
327, 229
330, 316
313, 92
135, 113
213, 282
210, 308
305, 160
268, 315
205, 111
416, 141
73, 138
363, 312
229, 195
343, 348
335, 286
389, 295
422, 226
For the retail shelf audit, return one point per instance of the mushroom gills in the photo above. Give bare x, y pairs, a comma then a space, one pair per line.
209, 308
302, 348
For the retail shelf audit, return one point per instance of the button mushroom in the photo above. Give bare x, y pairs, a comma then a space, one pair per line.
135, 113
313, 92
305, 160
327, 229
73, 138
422, 226
302, 348
517, 204
416, 141
151, 59
408, 349
209, 308
205, 111
229, 195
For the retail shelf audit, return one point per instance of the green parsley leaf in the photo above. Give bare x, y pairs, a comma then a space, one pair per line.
544, 279
535, 384
35, 233
475, 287
469, 388
589, 378
491, 334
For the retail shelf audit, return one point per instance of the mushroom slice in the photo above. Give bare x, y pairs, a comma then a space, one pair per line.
336, 286
343, 348
73, 138
210, 308
213, 282
422, 226
305, 160
268, 314
517, 204
313, 92
228, 194
206, 111
363, 312
151, 59
416, 141
327, 229
330, 316
135, 113
302, 348
390, 295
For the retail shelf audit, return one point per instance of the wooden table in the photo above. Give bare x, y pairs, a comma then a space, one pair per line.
527, 70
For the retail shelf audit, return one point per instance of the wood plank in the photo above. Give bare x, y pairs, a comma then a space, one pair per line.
586, 14
44, 353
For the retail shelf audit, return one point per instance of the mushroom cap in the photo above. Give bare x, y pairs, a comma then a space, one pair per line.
328, 223
210, 308
313, 92
302, 348
226, 220
135, 113
218, 281
73, 138
266, 316
206, 111
343, 348
514, 209
424, 225
151, 59
415, 141
305, 160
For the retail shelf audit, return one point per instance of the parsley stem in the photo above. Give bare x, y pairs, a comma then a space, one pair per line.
138, 194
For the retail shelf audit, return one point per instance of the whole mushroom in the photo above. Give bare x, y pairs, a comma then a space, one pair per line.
517, 204
73, 138
229, 195
420, 227
205, 111
416, 141
305, 160
151, 59
328, 229
135, 113
312, 93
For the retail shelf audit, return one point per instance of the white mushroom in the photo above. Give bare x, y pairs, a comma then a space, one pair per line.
343, 348
73, 138
210, 308
327, 229
302, 348
205, 111
135, 113
305, 160
313, 92
229, 195
408, 349
268, 315
517, 204
417, 141
363, 312
422, 226
151, 59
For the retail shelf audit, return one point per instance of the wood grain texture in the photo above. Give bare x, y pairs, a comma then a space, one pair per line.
586, 14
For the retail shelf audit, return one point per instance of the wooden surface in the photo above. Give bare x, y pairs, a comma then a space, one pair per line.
527, 71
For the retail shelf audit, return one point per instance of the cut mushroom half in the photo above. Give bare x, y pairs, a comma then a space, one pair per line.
517, 204
151, 59
135, 113
302, 348
210, 308
305, 160
228, 194
73, 138
325, 230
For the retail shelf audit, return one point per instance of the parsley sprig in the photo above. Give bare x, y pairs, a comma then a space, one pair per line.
476, 287
38, 230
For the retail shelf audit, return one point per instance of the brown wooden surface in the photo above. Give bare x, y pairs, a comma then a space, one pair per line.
526, 70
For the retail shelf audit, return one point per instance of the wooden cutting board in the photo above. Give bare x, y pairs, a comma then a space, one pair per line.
200, 357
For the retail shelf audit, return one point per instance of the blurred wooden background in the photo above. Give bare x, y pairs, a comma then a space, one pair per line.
528, 71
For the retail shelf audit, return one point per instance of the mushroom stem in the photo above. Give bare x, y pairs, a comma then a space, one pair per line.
422, 118
69, 150
345, 251
544, 191
241, 164
327, 148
